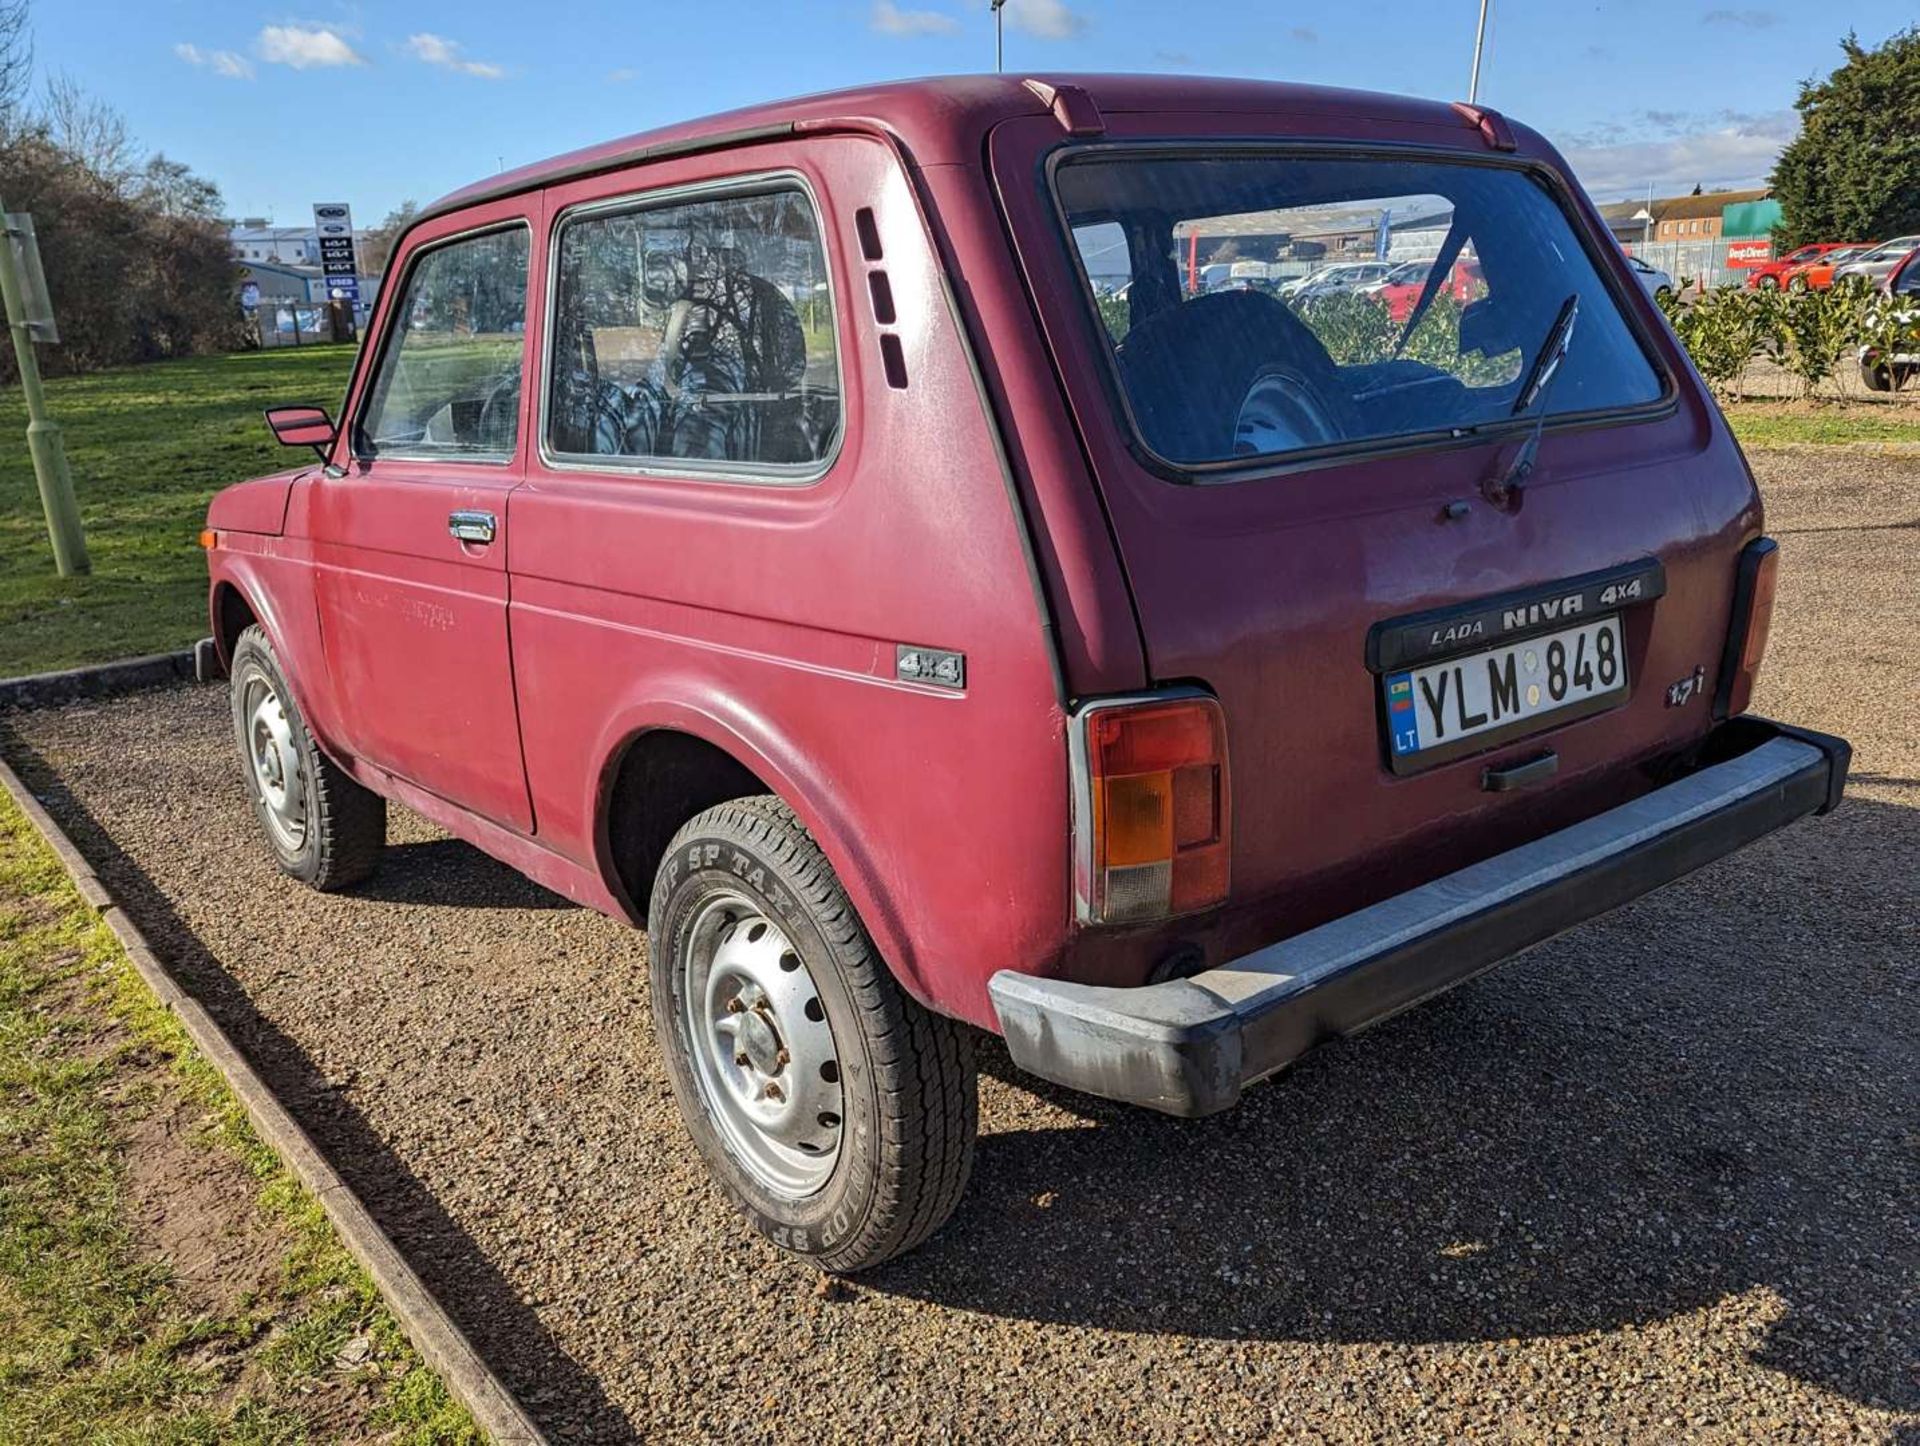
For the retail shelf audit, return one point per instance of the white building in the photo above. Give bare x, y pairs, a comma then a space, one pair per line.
255, 240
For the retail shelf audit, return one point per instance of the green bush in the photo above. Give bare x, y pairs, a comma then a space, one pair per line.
1723, 330
1354, 328
1808, 332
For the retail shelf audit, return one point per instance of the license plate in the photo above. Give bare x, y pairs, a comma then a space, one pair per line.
1480, 699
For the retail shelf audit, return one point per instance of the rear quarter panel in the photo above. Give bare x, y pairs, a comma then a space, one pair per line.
765, 619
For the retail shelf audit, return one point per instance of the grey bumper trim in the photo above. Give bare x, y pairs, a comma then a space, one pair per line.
1189, 1046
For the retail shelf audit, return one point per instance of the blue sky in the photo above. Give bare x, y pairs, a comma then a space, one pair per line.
374, 102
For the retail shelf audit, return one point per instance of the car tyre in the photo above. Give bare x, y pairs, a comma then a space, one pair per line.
835, 1111
324, 828
1876, 376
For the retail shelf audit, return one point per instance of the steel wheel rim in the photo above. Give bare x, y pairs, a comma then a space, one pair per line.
274, 760
763, 1053
1279, 414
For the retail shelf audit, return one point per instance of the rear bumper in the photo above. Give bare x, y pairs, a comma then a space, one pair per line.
1189, 1046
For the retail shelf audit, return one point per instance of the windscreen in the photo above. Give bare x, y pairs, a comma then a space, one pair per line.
1262, 305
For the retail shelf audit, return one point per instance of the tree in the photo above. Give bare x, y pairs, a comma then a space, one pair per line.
89, 130
137, 262
169, 189
376, 245
16, 61
1853, 173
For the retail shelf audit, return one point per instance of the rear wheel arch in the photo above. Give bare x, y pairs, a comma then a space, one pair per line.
681, 762
657, 781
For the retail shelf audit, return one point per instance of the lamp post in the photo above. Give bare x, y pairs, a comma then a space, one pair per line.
999, 36
1479, 44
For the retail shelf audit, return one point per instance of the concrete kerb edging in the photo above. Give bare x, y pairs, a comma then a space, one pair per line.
103, 680
440, 1342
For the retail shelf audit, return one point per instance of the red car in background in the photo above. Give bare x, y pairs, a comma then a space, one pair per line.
1401, 289
1773, 274
1817, 275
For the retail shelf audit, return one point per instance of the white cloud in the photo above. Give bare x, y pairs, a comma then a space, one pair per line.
890, 19
220, 62
305, 47
438, 50
1744, 19
1733, 150
1048, 19
623, 74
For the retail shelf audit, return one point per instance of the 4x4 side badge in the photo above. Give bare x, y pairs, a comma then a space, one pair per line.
930, 665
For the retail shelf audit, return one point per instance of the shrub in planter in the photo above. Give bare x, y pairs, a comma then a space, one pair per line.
1355, 329
1808, 332
1723, 330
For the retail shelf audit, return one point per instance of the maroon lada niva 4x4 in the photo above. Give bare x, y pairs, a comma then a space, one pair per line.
928, 555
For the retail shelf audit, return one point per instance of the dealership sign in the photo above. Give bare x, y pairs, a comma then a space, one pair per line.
334, 221
1749, 253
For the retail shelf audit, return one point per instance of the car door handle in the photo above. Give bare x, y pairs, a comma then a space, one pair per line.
471, 526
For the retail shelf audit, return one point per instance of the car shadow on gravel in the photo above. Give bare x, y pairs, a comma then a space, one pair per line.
1663, 1110
484, 1303
451, 873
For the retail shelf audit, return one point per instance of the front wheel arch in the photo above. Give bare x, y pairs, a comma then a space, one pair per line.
231, 613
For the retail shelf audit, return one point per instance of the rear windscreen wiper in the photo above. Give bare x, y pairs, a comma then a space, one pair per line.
1534, 392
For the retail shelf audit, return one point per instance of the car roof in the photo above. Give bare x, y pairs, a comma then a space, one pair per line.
945, 120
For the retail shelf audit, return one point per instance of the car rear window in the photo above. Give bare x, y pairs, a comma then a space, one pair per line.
1261, 304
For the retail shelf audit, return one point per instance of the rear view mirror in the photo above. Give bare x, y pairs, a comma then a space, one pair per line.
302, 427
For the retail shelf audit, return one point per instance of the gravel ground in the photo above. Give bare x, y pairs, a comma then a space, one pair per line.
1657, 1180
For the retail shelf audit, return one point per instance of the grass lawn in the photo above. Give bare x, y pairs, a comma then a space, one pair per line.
162, 1279
148, 447
1781, 424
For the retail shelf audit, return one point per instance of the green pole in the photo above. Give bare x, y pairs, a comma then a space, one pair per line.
43, 433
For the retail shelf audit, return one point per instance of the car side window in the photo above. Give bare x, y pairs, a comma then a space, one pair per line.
448, 386
696, 331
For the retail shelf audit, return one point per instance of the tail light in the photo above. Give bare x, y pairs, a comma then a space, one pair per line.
1752, 621
1151, 817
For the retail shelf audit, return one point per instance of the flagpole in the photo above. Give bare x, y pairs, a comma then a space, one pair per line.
1479, 44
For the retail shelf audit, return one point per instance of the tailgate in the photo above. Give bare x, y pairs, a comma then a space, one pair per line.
1538, 641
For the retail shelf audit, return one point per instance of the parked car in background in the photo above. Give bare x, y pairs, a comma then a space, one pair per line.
1883, 373
757, 531
1771, 274
1652, 278
1817, 274
1877, 264
1401, 288
1334, 280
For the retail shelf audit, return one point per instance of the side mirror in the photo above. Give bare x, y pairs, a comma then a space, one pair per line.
303, 427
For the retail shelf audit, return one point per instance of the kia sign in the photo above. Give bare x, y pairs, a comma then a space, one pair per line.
1749, 253
334, 221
